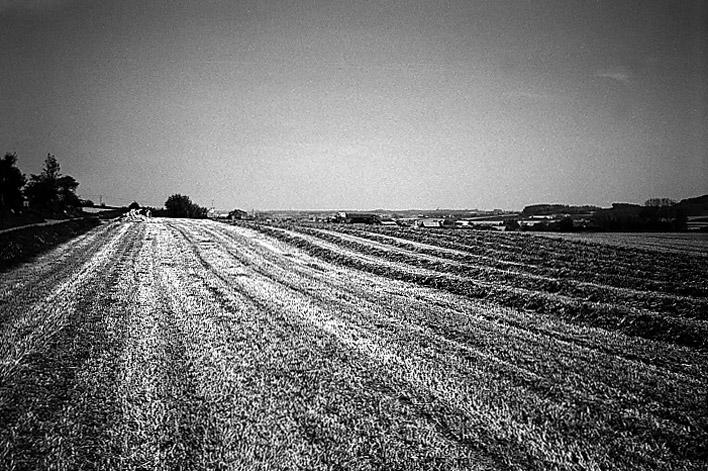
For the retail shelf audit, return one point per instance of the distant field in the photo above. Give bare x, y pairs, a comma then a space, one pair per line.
679, 242
192, 344
97, 209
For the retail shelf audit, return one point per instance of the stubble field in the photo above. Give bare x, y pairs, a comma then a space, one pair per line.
185, 344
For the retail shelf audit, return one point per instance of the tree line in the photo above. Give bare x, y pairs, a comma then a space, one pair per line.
48, 194
51, 194
180, 206
656, 214
176, 206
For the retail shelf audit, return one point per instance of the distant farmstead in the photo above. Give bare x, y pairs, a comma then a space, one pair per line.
494, 224
217, 214
237, 214
430, 222
357, 218
388, 222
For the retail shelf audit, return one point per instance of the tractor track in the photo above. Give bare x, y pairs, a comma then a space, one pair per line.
178, 344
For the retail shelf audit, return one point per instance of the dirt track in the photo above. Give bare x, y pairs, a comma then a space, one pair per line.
175, 344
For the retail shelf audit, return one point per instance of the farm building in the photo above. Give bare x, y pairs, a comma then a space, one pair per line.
218, 214
357, 218
362, 218
529, 223
697, 223
237, 214
430, 222
498, 225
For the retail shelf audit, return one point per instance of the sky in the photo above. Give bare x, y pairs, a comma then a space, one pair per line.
360, 105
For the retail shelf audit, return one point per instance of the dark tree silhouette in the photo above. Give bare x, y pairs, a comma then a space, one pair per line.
180, 206
50, 192
659, 202
11, 182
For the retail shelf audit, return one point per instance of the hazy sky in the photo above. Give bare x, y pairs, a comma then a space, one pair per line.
360, 105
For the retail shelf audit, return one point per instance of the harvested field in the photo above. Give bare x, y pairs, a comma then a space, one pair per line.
191, 344
691, 242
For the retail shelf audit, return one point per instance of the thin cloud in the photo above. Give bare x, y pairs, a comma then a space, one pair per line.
618, 74
535, 96
354, 151
31, 6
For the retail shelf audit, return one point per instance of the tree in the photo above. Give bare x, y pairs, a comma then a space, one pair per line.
512, 225
50, 192
659, 202
134, 205
565, 224
180, 206
11, 182
66, 191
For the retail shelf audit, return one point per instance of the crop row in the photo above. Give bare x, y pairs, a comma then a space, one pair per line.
629, 321
267, 256
572, 249
488, 358
300, 395
627, 268
590, 256
464, 265
529, 353
56, 400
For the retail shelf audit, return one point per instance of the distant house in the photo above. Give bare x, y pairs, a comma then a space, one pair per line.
497, 225
361, 218
531, 223
355, 218
430, 222
582, 223
237, 214
697, 223
388, 222
218, 214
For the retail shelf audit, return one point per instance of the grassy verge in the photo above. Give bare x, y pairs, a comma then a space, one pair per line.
20, 245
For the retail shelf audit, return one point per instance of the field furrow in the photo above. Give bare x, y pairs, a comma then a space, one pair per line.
629, 320
580, 392
680, 305
185, 344
620, 267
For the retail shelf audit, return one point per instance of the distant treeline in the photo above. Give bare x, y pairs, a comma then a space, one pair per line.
656, 214
180, 206
625, 217
176, 206
549, 209
49, 194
